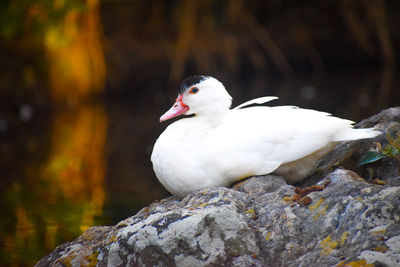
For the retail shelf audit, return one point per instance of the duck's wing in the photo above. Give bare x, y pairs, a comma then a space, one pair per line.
259, 101
257, 140
245, 144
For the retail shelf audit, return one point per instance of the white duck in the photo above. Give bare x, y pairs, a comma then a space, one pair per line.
219, 145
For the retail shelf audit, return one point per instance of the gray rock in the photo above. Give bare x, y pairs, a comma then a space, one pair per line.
351, 222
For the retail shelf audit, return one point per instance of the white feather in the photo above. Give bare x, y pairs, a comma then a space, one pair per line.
260, 100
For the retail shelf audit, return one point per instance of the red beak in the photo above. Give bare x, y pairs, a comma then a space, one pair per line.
177, 109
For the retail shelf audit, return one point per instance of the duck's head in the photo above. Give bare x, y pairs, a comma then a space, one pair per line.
200, 95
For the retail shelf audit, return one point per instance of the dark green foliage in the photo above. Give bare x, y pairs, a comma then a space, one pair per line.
391, 150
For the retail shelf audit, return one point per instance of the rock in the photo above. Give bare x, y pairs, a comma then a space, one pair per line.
350, 222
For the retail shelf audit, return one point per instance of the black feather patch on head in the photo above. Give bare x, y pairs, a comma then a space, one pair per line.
190, 81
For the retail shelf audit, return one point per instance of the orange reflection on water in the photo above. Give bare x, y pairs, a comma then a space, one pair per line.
75, 55
60, 199
76, 163
62, 196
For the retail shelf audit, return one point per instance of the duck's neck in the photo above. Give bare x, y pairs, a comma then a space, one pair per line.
211, 117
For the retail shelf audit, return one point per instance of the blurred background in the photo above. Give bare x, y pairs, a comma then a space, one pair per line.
84, 82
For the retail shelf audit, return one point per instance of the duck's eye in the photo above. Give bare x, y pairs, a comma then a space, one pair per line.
194, 90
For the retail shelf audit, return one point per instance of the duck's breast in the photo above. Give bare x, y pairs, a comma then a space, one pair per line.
180, 161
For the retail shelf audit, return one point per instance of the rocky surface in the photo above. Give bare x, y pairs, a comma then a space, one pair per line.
344, 219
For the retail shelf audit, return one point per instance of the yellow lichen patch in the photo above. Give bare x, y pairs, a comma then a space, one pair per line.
328, 245
251, 211
66, 260
381, 249
122, 224
378, 232
343, 238
319, 208
316, 205
360, 263
268, 236
359, 199
200, 205
378, 182
92, 259
112, 239
287, 199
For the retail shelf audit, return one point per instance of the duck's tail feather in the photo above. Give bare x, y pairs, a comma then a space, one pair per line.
356, 134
